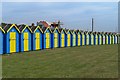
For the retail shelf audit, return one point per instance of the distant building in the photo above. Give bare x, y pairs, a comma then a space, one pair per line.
49, 24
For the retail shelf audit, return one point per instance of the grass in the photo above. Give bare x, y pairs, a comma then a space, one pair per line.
72, 62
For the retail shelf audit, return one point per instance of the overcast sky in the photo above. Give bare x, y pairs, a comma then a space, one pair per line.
74, 15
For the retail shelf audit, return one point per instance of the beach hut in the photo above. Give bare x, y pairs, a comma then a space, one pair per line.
55, 37
11, 38
68, 38
103, 38
2, 32
106, 37
116, 38
78, 38
73, 38
112, 38
36, 37
62, 37
91, 38
25, 37
95, 38
83, 37
47, 38
87, 38
109, 38
99, 38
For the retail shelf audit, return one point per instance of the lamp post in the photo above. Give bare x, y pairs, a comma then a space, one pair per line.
92, 24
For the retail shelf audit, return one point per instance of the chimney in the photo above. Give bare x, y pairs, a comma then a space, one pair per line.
37, 23
33, 24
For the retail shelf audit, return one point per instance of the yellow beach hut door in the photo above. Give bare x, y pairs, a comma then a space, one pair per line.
92, 39
62, 37
83, 38
68, 40
47, 40
106, 39
78, 39
26, 41
12, 42
55, 40
37, 40
87, 39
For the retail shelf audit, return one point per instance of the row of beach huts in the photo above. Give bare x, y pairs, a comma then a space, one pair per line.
19, 38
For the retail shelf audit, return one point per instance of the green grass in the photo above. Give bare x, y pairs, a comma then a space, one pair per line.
72, 62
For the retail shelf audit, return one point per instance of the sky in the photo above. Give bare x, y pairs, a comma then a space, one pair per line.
73, 15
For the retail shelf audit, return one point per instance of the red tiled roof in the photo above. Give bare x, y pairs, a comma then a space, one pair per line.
44, 23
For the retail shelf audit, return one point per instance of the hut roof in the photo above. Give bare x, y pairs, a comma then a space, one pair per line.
55, 28
22, 27
34, 28
78, 31
73, 31
45, 28
7, 27
67, 30
95, 32
3, 25
2, 29
90, 32
61, 29
106, 32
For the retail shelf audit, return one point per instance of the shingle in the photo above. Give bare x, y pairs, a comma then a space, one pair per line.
5, 28
33, 28
21, 27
